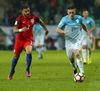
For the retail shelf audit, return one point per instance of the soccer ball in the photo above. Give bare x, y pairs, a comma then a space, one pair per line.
79, 77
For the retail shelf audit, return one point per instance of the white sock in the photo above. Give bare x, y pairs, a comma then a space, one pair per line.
41, 50
80, 65
84, 54
89, 53
38, 51
74, 65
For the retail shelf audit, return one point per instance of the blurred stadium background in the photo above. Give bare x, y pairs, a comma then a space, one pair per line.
51, 12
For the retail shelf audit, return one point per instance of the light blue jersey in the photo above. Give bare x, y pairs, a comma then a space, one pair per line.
39, 30
89, 24
72, 25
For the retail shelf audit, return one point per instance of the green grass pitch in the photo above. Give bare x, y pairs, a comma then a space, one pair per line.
52, 73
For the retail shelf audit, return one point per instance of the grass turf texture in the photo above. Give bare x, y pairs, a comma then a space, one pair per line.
52, 73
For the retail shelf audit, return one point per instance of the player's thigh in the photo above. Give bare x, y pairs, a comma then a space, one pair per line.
70, 52
89, 45
28, 49
78, 45
18, 47
36, 42
41, 41
84, 42
28, 45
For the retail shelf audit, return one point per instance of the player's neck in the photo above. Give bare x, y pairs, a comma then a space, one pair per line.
71, 17
85, 18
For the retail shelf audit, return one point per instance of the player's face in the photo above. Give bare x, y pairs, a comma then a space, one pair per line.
26, 12
85, 14
71, 13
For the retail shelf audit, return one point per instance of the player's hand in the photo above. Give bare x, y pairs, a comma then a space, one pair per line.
24, 29
46, 32
93, 38
65, 32
90, 37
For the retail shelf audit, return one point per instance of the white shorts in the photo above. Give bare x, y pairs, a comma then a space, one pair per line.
86, 41
70, 49
39, 41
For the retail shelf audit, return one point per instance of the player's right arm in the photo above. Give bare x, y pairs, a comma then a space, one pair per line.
58, 30
60, 26
16, 30
17, 26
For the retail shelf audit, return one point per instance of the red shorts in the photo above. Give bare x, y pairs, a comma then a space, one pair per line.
19, 45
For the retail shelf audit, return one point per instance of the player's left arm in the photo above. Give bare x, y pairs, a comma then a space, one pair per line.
92, 23
43, 25
86, 30
92, 29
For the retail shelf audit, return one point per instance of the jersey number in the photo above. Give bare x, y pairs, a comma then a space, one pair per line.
28, 27
73, 29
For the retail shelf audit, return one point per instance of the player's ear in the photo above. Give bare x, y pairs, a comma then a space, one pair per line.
75, 10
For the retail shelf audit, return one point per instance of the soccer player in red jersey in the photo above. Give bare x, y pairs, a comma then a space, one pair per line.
23, 27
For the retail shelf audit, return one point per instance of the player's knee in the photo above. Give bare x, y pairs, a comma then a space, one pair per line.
84, 47
72, 60
16, 56
28, 51
77, 55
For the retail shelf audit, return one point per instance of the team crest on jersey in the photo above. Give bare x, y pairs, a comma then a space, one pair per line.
87, 21
32, 20
77, 21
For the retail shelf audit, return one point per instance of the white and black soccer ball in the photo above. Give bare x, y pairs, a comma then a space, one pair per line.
79, 77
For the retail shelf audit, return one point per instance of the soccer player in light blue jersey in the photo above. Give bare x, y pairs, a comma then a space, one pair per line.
87, 43
69, 25
39, 35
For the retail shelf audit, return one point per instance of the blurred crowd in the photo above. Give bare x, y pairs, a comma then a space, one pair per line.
50, 11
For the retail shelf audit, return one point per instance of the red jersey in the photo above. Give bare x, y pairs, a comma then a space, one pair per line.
29, 22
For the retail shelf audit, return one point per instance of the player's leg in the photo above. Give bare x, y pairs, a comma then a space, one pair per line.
41, 50
89, 50
70, 54
17, 50
28, 49
84, 53
79, 60
84, 50
41, 45
77, 48
13, 65
74, 65
38, 51
37, 47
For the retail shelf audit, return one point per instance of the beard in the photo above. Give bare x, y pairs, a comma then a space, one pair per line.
26, 15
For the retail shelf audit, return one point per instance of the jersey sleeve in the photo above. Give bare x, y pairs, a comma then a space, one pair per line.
18, 22
62, 23
37, 19
92, 22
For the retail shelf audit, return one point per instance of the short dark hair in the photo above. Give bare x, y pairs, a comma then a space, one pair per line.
24, 6
85, 10
71, 6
